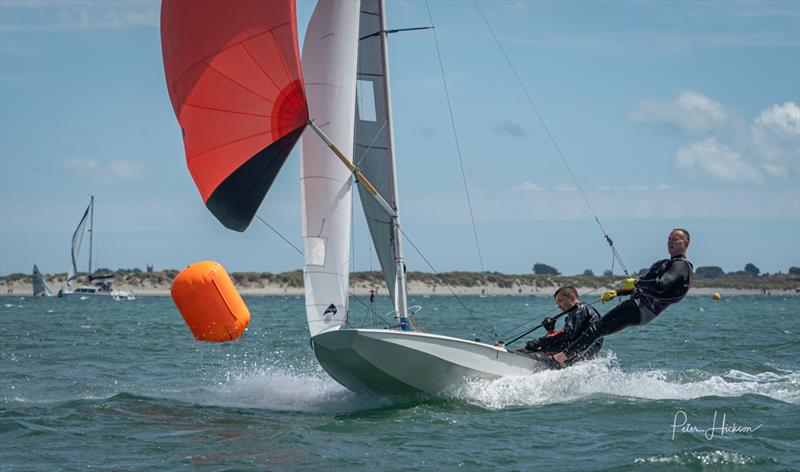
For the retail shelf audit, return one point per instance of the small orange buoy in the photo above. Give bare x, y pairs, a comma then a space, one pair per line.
717, 296
209, 303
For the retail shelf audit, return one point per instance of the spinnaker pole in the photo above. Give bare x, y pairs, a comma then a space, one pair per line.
354, 169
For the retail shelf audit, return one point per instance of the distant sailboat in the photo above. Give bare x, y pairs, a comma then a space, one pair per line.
236, 85
99, 285
40, 287
77, 241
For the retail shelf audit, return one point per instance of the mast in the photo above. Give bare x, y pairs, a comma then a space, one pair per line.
91, 229
401, 302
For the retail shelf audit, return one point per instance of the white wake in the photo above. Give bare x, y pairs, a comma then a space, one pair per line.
603, 376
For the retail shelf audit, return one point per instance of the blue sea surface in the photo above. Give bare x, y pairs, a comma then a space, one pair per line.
122, 385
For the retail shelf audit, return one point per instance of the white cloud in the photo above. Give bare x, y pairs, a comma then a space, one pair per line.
81, 165
710, 157
565, 188
782, 120
128, 170
529, 187
690, 112
731, 150
624, 188
659, 42
517, 8
683, 203
760, 9
110, 172
77, 15
638, 188
661, 187
776, 138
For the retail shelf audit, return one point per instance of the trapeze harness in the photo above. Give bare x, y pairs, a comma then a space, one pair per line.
665, 283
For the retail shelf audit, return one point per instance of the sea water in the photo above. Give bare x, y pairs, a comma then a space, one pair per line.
121, 385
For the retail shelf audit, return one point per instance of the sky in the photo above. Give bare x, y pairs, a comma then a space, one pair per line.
669, 114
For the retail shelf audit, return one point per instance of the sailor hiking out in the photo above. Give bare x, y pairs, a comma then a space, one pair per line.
580, 317
665, 283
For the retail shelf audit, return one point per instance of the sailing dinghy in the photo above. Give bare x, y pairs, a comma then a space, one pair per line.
242, 99
40, 287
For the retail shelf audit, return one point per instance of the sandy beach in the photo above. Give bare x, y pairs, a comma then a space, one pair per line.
360, 288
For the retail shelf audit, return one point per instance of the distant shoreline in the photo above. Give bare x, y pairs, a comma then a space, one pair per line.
419, 283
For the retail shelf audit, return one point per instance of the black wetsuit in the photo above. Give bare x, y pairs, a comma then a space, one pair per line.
579, 319
665, 283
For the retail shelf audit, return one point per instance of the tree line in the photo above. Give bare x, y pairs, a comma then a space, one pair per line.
750, 270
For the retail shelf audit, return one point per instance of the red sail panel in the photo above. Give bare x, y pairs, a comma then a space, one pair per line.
234, 79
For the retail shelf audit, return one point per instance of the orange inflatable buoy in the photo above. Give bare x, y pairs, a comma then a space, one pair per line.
717, 296
209, 303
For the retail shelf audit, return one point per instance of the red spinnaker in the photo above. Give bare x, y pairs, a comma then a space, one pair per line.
234, 78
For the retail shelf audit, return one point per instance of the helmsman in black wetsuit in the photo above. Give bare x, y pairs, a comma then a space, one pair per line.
580, 317
665, 283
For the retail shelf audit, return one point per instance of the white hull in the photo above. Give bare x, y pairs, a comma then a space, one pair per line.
400, 362
114, 294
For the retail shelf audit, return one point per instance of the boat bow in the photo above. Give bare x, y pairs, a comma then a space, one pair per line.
395, 362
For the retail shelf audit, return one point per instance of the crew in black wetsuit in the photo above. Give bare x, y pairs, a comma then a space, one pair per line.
580, 317
666, 283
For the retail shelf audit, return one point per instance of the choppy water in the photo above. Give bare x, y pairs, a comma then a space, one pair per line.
95, 384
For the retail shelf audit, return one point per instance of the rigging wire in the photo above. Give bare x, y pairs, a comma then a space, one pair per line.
279, 234
545, 314
525, 323
455, 136
552, 139
351, 294
366, 150
469, 312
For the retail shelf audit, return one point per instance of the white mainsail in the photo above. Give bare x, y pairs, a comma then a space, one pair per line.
373, 149
329, 69
77, 239
388, 360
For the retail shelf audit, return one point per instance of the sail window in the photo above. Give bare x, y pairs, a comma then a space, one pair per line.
314, 251
366, 100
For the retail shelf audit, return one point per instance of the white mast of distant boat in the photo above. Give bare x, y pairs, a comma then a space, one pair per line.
91, 230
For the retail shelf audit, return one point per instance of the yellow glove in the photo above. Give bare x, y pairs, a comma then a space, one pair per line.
608, 296
629, 284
